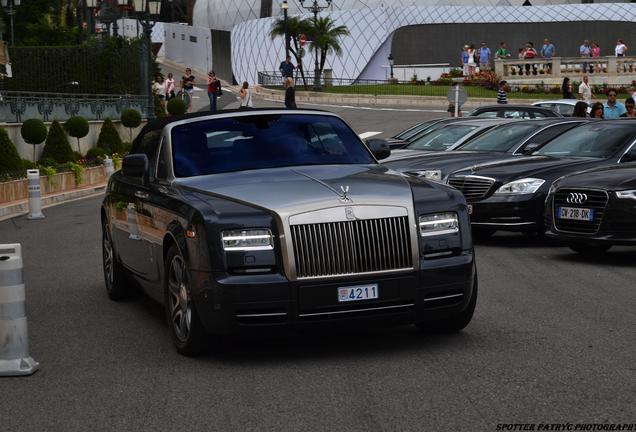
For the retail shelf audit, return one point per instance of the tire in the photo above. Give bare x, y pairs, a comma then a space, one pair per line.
188, 334
589, 250
117, 283
454, 323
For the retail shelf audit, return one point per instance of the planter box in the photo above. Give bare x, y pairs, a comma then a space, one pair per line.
18, 190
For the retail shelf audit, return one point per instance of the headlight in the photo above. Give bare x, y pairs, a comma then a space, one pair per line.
629, 194
438, 223
435, 175
247, 240
522, 186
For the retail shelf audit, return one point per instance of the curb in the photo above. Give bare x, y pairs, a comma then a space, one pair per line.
18, 208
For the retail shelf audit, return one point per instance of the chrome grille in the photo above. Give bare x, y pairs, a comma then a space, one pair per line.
596, 200
352, 247
473, 187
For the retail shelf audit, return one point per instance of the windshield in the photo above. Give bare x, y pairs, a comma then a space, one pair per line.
410, 132
441, 139
597, 140
502, 138
264, 141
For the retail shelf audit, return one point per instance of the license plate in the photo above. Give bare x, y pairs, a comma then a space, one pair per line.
573, 213
357, 293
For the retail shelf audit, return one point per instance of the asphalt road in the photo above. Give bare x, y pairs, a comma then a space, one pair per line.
552, 341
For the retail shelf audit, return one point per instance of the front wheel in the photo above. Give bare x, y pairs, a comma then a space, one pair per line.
117, 284
590, 250
187, 331
454, 323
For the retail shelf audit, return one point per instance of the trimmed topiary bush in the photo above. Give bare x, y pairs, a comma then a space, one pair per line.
131, 118
109, 138
27, 164
77, 127
176, 107
9, 158
96, 154
33, 132
57, 146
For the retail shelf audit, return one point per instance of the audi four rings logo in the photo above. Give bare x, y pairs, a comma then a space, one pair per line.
576, 198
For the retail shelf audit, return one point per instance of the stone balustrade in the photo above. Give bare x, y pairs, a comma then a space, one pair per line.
610, 70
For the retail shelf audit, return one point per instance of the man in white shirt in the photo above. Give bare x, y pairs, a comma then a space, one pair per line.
585, 91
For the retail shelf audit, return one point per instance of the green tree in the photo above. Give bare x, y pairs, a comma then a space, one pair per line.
77, 127
109, 138
9, 158
326, 36
131, 118
176, 107
295, 28
57, 146
33, 132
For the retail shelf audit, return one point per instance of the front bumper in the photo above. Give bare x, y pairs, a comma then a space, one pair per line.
229, 304
520, 213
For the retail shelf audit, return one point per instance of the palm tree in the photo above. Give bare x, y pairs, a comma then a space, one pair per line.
326, 40
295, 28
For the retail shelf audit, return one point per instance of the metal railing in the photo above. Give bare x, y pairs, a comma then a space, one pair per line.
16, 107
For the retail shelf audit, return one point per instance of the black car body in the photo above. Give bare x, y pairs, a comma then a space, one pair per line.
509, 195
405, 137
595, 209
282, 219
512, 138
513, 111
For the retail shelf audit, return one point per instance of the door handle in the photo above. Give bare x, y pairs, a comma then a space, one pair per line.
141, 194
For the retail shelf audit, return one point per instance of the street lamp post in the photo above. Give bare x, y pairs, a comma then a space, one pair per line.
315, 8
10, 4
391, 63
285, 6
147, 12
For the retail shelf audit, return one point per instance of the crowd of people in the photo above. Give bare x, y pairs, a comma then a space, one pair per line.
474, 59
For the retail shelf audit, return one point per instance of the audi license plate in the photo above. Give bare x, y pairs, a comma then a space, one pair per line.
573, 213
357, 293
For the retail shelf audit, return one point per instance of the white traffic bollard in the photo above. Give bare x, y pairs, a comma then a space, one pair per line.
108, 165
14, 341
35, 195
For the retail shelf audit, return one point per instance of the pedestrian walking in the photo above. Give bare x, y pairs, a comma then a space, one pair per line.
171, 87
585, 91
502, 97
214, 90
246, 96
187, 87
629, 106
613, 109
580, 109
485, 56
286, 69
290, 94
597, 110
472, 61
566, 89
159, 89
464, 60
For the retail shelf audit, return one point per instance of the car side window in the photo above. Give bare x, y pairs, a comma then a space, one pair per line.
149, 145
488, 114
630, 156
547, 134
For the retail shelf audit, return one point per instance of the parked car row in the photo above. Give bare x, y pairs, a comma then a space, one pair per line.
574, 178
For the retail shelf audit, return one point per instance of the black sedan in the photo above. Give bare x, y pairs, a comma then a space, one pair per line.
282, 219
514, 138
509, 195
513, 111
404, 138
593, 210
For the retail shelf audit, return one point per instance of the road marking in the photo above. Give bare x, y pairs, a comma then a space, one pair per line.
364, 107
366, 135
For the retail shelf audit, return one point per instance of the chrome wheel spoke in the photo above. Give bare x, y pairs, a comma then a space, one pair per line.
179, 299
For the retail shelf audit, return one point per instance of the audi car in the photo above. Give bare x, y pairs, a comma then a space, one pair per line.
509, 195
510, 139
270, 219
594, 210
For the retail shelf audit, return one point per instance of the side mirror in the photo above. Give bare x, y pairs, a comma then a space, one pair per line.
136, 166
379, 147
530, 148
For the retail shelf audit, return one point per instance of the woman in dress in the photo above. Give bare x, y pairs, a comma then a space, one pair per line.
596, 53
472, 62
246, 96
566, 89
